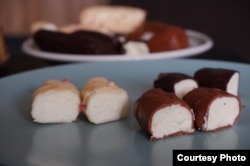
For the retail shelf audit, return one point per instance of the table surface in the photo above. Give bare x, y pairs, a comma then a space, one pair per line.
228, 28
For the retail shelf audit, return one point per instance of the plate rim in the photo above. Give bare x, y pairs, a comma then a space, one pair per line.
207, 43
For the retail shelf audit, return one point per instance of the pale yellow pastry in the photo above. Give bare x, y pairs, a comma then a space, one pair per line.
56, 102
112, 19
104, 101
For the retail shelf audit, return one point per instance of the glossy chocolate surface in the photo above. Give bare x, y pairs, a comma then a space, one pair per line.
214, 77
150, 102
200, 100
164, 36
79, 42
167, 81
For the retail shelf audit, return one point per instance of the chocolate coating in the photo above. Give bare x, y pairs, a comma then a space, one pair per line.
166, 81
79, 42
165, 37
200, 100
214, 77
152, 101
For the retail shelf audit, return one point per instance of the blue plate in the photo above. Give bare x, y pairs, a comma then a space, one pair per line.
23, 142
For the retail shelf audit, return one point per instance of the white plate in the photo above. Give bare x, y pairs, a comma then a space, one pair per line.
199, 43
24, 143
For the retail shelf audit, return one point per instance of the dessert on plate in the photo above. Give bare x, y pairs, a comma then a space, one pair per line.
214, 109
56, 102
178, 83
162, 114
112, 30
104, 101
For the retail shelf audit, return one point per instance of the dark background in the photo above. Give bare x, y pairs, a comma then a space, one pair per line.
227, 22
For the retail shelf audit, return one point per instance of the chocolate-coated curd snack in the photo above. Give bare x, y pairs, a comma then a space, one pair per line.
162, 114
104, 101
225, 79
178, 83
214, 109
79, 42
56, 102
160, 36
136, 48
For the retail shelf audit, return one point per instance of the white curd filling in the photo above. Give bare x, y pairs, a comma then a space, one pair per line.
106, 107
185, 86
55, 107
170, 120
222, 112
136, 48
232, 86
